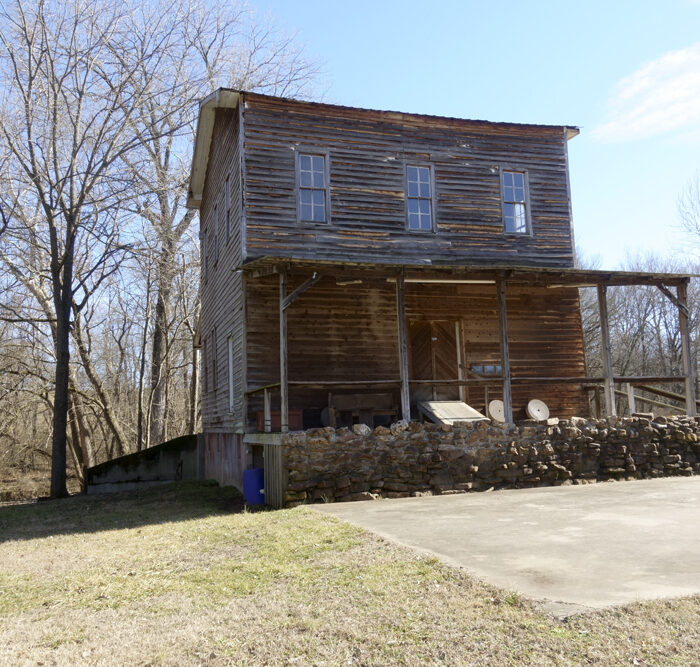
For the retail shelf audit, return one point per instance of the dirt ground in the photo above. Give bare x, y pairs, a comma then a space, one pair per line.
22, 483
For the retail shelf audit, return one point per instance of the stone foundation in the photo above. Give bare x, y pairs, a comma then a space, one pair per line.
413, 459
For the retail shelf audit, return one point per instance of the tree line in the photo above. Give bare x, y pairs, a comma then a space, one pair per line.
100, 257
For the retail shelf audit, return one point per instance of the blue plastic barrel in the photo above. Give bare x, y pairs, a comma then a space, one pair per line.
253, 485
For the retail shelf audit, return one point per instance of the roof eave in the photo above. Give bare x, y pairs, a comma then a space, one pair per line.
221, 98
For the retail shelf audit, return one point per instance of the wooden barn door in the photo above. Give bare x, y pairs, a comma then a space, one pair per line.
433, 356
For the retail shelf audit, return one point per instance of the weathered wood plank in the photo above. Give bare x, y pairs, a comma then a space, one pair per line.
505, 352
688, 368
403, 348
284, 390
606, 352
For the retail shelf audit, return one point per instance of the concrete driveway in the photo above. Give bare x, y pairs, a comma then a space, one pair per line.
593, 545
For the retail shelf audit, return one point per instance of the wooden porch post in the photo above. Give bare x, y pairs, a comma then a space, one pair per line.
605, 351
688, 369
505, 354
284, 398
403, 348
630, 399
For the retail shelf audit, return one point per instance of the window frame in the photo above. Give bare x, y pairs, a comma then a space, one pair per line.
204, 249
312, 152
229, 350
506, 168
213, 355
431, 181
227, 204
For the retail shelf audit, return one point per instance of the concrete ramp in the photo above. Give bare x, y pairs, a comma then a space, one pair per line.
449, 412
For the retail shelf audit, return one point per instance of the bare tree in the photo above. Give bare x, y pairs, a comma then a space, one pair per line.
64, 126
97, 114
202, 47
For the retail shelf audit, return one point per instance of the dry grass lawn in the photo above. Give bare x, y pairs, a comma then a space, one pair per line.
181, 575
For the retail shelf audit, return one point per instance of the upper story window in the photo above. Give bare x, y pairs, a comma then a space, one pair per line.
419, 197
514, 192
313, 187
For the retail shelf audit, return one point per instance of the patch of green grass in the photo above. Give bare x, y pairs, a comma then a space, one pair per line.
182, 575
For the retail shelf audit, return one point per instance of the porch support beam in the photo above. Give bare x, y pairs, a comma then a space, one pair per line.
606, 354
505, 354
284, 396
631, 399
688, 369
293, 296
403, 347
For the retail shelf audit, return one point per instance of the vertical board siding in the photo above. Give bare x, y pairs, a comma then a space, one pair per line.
223, 459
275, 475
223, 306
341, 333
368, 151
544, 334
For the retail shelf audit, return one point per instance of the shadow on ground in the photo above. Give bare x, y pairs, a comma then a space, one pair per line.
179, 501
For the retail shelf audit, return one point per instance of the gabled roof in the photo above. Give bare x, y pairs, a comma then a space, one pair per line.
226, 98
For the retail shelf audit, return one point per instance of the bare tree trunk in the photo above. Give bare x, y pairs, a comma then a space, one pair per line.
159, 376
62, 277
91, 372
142, 364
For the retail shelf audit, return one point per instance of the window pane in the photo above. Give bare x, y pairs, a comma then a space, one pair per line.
425, 189
425, 222
507, 178
412, 173
413, 190
508, 215
318, 163
306, 213
517, 179
318, 197
519, 194
305, 162
320, 212
424, 205
508, 193
413, 206
305, 178
519, 218
306, 196
423, 174
413, 221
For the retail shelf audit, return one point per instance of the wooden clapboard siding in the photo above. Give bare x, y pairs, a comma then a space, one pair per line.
544, 332
223, 290
348, 333
335, 333
368, 151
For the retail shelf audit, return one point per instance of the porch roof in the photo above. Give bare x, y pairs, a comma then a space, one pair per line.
432, 272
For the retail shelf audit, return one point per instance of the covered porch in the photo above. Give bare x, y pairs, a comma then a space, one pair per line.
367, 343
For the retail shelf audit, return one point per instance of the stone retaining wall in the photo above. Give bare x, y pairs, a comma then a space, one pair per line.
412, 459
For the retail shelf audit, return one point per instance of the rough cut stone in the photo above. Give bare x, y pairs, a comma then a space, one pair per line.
421, 459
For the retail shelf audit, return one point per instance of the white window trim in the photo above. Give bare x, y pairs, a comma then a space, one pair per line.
433, 215
302, 150
526, 183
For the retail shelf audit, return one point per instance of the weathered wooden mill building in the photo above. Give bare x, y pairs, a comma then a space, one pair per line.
357, 262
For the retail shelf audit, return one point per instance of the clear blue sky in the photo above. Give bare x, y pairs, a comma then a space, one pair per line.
627, 73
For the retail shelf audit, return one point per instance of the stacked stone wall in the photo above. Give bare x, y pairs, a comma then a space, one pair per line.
413, 459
